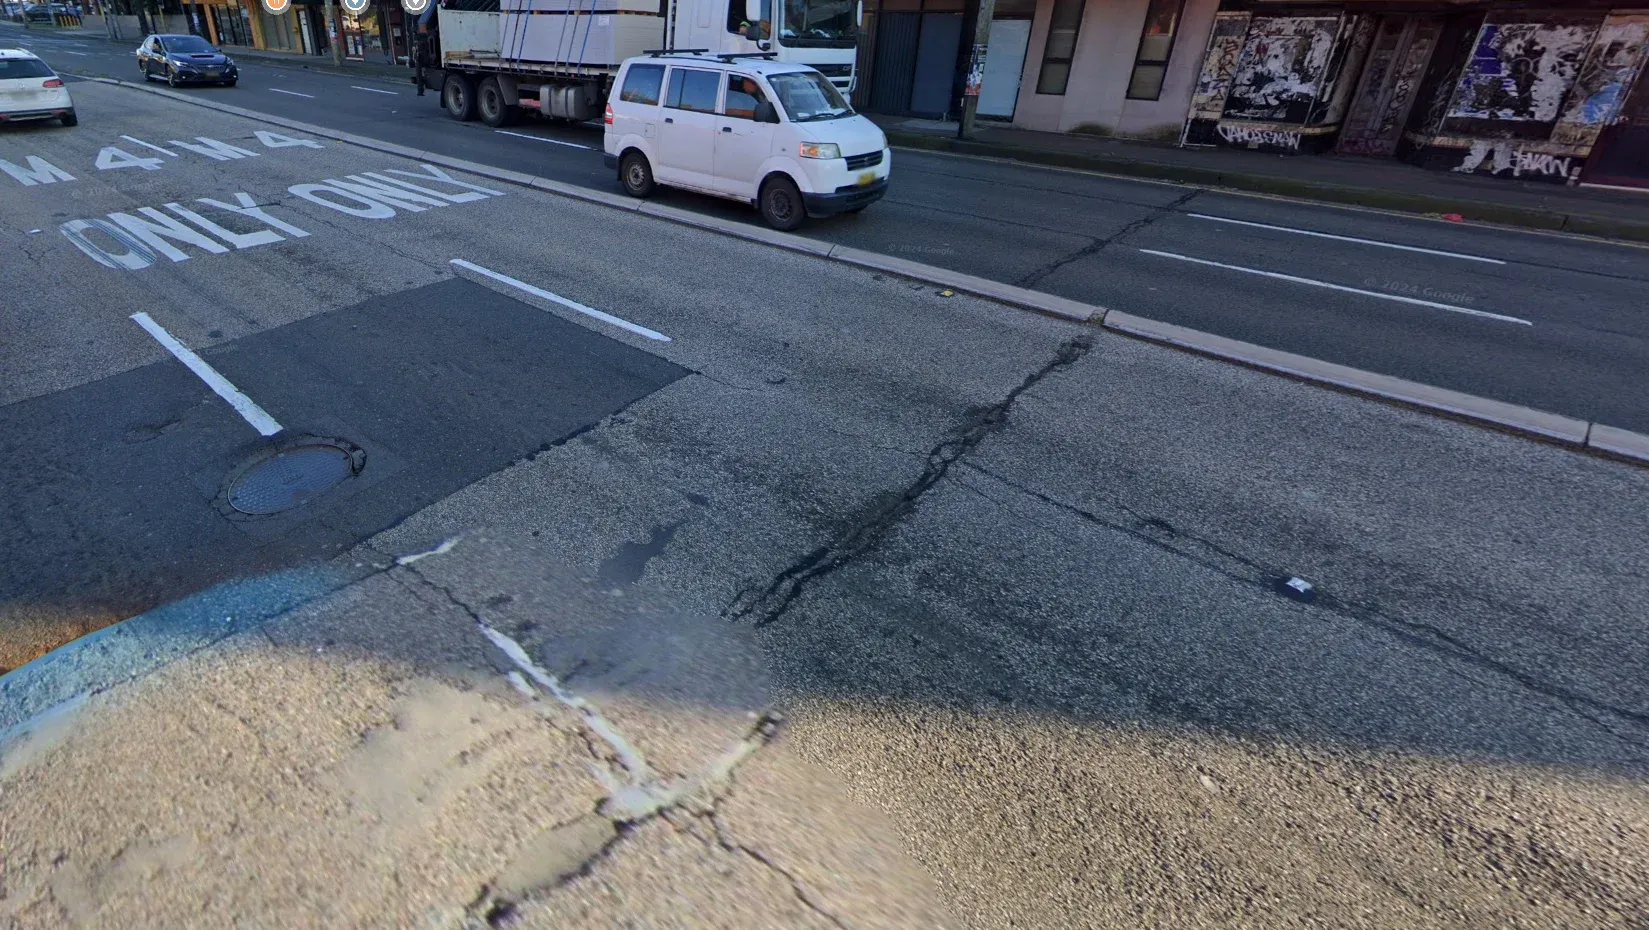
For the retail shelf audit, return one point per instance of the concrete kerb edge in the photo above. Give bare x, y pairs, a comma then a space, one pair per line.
1525, 421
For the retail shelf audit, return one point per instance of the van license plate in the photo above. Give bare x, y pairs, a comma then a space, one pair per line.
869, 177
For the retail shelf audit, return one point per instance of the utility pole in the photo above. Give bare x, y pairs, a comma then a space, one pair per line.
976, 68
335, 33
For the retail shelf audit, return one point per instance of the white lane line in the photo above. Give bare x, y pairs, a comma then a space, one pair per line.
1323, 235
522, 135
245, 406
374, 90
1341, 287
569, 304
150, 146
292, 92
64, 51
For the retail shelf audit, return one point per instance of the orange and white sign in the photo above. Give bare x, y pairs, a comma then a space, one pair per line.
277, 7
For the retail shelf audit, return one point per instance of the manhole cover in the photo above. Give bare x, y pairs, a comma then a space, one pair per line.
291, 477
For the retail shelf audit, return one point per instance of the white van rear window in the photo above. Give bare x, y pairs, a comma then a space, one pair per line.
642, 84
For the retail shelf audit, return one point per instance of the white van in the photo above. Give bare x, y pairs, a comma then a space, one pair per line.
775, 135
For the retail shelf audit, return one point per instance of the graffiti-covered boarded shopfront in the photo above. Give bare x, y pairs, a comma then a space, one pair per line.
1510, 89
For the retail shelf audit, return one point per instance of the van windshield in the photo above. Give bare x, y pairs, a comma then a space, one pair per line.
807, 96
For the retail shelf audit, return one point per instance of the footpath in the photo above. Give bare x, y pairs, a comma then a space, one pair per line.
1371, 182
364, 746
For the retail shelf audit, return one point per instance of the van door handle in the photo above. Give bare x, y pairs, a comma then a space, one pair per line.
669, 119
727, 129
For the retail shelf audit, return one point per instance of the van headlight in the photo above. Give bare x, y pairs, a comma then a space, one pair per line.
821, 150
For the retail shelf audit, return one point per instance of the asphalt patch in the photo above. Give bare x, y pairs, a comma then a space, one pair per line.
111, 485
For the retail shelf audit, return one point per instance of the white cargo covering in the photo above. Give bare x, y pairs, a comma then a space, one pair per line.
582, 6
578, 40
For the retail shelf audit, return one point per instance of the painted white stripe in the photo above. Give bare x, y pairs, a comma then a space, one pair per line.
522, 135
374, 90
1341, 287
1323, 235
292, 92
245, 406
67, 52
569, 304
150, 146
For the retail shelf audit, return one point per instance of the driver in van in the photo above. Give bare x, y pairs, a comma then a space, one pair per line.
749, 88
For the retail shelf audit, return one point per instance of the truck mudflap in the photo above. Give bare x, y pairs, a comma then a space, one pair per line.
434, 78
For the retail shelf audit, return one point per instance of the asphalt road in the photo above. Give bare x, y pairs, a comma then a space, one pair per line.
1549, 322
1017, 579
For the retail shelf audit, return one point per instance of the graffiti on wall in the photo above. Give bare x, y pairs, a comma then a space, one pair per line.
1283, 65
1343, 68
1521, 71
1224, 48
1391, 81
1614, 61
1254, 138
1491, 156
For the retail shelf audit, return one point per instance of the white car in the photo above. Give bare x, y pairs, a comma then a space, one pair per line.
775, 135
31, 90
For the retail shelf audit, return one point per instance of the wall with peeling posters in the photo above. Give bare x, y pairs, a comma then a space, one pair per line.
1532, 94
1500, 88
1276, 83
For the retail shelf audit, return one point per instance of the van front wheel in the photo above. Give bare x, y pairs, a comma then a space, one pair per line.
781, 204
635, 174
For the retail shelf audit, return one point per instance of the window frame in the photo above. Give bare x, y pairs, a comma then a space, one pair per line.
663, 76
1047, 42
727, 94
669, 79
1167, 54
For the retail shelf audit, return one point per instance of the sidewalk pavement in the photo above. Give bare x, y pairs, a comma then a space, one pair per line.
390, 755
1373, 182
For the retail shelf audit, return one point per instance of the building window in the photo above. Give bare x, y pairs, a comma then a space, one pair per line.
1060, 48
1156, 43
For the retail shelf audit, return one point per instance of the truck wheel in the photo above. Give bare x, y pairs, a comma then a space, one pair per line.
781, 204
496, 109
635, 174
458, 96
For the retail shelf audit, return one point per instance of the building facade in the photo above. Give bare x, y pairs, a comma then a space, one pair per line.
1514, 88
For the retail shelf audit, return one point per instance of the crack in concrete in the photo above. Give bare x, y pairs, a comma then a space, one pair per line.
1036, 276
725, 839
770, 603
1431, 638
635, 792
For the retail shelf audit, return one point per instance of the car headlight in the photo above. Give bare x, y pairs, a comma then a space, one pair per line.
821, 150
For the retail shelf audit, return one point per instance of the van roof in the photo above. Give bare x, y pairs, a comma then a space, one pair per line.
742, 62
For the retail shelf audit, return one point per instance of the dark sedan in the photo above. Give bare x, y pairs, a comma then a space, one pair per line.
185, 59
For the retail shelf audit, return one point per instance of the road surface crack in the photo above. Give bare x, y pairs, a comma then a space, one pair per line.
765, 605
1036, 276
1426, 636
726, 840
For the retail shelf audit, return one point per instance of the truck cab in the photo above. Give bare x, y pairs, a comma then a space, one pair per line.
821, 34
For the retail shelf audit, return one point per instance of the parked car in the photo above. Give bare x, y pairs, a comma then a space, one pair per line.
185, 59
31, 90
772, 134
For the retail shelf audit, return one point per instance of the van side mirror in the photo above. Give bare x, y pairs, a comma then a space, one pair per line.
766, 112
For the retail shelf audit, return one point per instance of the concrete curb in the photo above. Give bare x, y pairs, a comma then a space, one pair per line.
1474, 210
1568, 431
